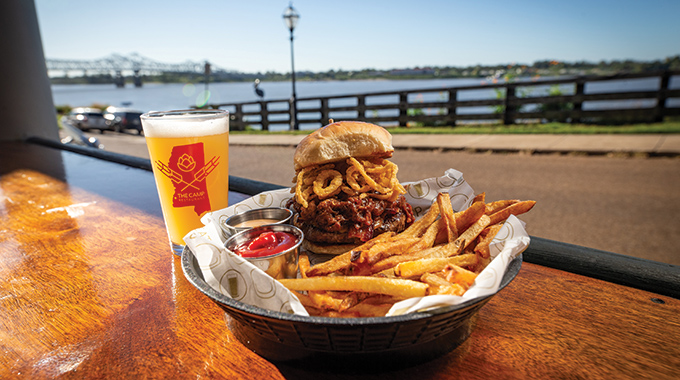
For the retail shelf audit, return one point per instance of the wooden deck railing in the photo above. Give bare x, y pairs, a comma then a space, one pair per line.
500, 102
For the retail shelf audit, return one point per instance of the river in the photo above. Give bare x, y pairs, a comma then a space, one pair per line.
157, 96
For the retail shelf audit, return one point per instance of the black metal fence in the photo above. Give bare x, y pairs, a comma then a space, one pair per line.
563, 99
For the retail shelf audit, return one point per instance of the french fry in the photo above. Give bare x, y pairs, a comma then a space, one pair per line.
419, 226
443, 232
417, 268
486, 237
458, 275
303, 264
325, 301
494, 207
478, 198
514, 209
427, 239
438, 285
304, 300
448, 219
385, 273
444, 250
343, 261
352, 299
336, 264
389, 286
471, 233
387, 249
467, 217
378, 299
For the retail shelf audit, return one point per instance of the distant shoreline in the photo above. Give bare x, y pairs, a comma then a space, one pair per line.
497, 72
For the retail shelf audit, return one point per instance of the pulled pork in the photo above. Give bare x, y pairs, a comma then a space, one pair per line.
352, 219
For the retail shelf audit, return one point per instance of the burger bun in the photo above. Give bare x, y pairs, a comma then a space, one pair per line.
341, 140
327, 249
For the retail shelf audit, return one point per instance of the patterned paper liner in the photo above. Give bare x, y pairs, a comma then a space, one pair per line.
237, 278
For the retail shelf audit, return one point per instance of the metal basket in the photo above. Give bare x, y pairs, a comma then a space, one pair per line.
392, 341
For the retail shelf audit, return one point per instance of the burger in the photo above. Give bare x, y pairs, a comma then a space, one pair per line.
346, 191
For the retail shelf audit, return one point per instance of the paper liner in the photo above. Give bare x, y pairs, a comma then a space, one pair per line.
235, 277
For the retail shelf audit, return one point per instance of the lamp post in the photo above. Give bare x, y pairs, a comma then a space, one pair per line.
206, 72
291, 17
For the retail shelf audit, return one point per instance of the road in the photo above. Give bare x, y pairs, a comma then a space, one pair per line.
624, 205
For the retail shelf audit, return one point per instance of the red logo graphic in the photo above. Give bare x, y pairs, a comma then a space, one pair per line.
187, 170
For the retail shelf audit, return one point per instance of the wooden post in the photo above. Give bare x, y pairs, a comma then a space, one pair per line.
578, 101
239, 124
264, 116
509, 112
403, 109
451, 107
660, 109
324, 111
361, 107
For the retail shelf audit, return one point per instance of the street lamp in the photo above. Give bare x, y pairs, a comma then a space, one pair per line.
206, 72
291, 17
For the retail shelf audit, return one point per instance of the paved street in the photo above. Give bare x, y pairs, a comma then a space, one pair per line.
623, 203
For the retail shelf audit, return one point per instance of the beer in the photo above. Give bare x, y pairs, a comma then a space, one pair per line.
189, 153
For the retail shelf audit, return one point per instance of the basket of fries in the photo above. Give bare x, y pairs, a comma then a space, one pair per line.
397, 299
393, 341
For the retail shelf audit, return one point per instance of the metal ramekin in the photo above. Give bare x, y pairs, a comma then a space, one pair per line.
228, 227
281, 265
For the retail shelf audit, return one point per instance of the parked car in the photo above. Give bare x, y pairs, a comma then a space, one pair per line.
122, 119
70, 134
85, 119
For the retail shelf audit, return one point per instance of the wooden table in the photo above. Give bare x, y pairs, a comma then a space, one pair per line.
89, 289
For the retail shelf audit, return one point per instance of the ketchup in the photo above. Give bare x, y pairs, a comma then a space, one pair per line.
266, 244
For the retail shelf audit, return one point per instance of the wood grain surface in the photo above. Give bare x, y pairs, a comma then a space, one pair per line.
89, 289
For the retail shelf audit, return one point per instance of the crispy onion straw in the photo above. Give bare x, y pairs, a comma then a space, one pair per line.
352, 176
375, 178
370, 181
324, 191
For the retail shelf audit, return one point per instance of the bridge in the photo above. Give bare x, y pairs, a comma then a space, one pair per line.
134, 63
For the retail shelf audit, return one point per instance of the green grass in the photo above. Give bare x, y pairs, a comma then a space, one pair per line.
667, 127
549, 128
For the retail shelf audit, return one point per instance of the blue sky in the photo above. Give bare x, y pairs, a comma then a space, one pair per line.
250, 35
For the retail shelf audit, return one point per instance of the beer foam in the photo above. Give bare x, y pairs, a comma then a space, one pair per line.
177, 124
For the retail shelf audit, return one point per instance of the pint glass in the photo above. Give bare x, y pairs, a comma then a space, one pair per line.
189, 151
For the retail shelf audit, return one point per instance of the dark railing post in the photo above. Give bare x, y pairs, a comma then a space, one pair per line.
324, 111
509, 108
660, 109
403, 109
264, 116
361, 107
237, 117
578, 101
451, 107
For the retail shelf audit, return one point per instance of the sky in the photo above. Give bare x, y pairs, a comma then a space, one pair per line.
250, 35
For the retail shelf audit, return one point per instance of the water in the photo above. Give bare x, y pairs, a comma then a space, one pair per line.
156, 96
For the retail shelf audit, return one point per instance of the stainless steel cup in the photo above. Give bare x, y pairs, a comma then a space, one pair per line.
280, 214
280, 265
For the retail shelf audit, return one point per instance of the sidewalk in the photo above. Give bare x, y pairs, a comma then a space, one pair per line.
652, 145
